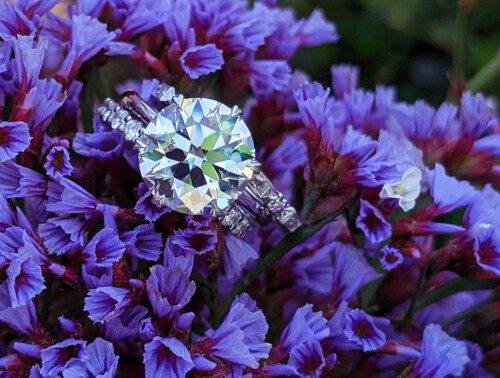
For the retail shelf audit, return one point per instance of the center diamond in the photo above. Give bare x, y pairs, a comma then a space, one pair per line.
194, 155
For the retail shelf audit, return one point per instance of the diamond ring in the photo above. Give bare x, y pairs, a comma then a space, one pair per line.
197, 156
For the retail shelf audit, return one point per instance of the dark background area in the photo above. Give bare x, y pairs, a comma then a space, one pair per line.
425, 48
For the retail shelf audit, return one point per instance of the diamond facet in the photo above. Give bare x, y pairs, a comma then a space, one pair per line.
194, 155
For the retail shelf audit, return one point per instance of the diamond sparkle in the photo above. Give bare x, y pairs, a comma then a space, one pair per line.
195, 155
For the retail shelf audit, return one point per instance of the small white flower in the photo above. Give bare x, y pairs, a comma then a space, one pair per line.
406, 191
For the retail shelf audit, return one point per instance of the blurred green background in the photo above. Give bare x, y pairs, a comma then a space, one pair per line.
426, 48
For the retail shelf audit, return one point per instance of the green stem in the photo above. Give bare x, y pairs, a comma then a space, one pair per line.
274, 255
462, 32
486, 76
411, 309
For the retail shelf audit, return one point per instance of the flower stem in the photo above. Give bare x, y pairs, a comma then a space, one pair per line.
271, 257
486, 76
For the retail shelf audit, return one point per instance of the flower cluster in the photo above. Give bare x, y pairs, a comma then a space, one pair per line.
97, 280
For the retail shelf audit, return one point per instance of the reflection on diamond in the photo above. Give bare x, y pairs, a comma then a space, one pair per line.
192, 156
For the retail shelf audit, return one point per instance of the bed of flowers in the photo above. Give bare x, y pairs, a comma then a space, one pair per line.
395, 272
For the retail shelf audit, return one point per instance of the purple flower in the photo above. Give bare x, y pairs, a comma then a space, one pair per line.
18, 182
312, 102
475, 115
126, 325
104, 249
97, 359
197, 242
441, 355
201, 60
447, 192
24, 279
268, 75
6, 215
36, 7
95, 276
314, 31
56, 357
166, 357
92, 8
57, 163
421, 122
364, 330
22, 319
487, 249
16, 242
146, 207
14, 138
308, 359
169, 290
351, 271
88, 36
67, 197
28, 62
344, 79
142, 242
306, 325
390, 258
140, 16
44, 99
240, 339
106, 303
102, 145
236, 255
373, 224
13, 22
314, 271
60, 235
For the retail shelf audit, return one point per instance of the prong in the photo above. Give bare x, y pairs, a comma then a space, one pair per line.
178, 99
236, 111
164, 93
157, 202
255, 166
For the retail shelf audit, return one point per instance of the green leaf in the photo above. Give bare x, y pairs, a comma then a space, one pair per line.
452, 287
367, 293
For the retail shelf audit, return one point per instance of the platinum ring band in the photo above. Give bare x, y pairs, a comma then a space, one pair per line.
260, 201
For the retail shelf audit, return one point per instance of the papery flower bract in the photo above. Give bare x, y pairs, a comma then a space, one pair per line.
13, 22
142, 242
314, 31
146, 207
126, 325
103, 145
441, 355
487, 249
405, 191
33, 8
169, 290
17, 181
236, 255
362, 329
305, 325
104, 248
201, 60
14, 138
57, 163
166, 357
56, 357
268, 75
447, 192
22, 319
67, 197
97, 359
344, 79
197, 242
88, 36
61, 234
351, 271
390, 258
373, 224
24, 279
308, 359
475, 115
106, 303
29, 60
240, 337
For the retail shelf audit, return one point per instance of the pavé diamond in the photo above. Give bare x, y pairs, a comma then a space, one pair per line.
196, 155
